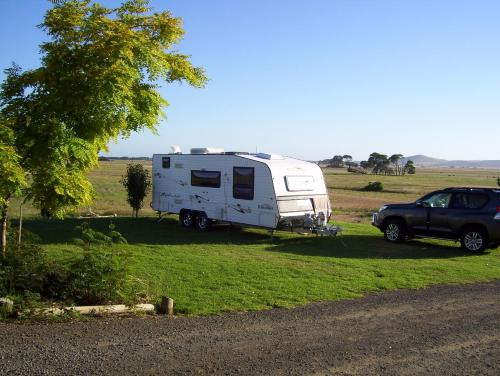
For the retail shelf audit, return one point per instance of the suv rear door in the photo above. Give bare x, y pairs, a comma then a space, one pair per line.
466, 207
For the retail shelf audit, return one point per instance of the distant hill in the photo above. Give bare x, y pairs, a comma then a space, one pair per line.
425, 161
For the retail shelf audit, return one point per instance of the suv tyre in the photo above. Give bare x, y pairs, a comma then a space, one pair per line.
474, 239
395, 231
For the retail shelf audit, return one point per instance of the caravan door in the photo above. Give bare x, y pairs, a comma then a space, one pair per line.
243, 199
207, 193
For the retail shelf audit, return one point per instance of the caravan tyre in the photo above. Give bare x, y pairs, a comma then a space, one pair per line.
186, 218
202, 222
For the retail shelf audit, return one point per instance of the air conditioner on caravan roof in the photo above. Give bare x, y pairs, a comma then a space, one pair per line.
207, 151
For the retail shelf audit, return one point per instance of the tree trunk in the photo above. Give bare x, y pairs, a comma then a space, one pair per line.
3, 230
19, 239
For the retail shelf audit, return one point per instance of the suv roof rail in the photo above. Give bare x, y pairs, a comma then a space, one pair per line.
469, 189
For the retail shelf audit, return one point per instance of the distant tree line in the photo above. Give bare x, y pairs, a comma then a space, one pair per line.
378, 164
107, 159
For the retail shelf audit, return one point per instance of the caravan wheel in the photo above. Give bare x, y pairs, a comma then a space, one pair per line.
186, 218
202, 222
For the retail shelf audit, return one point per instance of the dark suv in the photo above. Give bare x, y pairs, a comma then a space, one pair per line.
471, 215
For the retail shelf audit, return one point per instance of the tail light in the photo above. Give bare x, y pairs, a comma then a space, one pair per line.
497, 216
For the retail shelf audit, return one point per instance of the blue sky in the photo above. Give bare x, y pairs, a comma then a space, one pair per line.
312, 79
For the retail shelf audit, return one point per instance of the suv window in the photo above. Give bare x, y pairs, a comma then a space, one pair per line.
437, 200
469, 200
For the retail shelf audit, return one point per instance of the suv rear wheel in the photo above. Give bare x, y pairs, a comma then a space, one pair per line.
474, 239
395, 231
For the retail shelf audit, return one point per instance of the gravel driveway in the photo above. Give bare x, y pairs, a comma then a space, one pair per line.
445, 330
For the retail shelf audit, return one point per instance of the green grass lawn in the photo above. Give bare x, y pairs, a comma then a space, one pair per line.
236, 270
228, 269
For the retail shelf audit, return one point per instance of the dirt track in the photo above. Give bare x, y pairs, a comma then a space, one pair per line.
445, 330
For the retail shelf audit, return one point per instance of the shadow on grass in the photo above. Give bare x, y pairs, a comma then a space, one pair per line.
147, 230
355, 189
367, 247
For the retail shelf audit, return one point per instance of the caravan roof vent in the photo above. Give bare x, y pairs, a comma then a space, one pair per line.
207, 151
269, 156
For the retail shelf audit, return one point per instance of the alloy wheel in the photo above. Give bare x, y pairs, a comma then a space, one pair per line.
392, 232
473, 241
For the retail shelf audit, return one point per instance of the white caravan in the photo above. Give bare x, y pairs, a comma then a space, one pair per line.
263, 190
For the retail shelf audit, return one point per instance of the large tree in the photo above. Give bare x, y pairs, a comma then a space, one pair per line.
98, 80
337, 161
409, 168
397, 162
379, 163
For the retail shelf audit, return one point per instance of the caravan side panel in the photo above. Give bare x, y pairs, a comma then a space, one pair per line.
173, 188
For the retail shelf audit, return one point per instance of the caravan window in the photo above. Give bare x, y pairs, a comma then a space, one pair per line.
299, 183
243, 183
165, 162
209, 179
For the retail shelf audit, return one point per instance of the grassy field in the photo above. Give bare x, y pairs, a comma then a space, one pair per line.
110, 196
352, 204
236, 270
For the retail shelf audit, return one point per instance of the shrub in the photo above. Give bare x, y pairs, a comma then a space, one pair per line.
99, 276
375, 186
25, 273
356, 170
22, 269
137, 182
